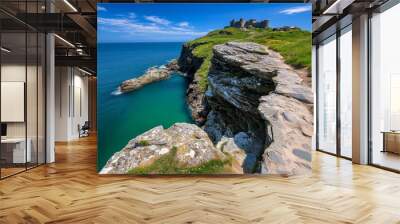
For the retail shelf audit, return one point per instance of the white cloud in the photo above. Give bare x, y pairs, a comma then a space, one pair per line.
158, 20
133, 27
295, 10
183, 29
121, 24
101, 8
183, 24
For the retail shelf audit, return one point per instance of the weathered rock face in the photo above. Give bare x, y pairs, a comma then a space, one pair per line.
257, 111
152, 75
237, 147
291, 130
289, 119
236, 83
241, 76
197, 103
189, 64
193, 148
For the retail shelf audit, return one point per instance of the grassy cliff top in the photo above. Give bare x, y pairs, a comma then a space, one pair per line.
294, 45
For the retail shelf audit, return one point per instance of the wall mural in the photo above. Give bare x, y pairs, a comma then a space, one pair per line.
204, 88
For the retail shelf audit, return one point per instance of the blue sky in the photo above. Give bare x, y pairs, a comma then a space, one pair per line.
124, 22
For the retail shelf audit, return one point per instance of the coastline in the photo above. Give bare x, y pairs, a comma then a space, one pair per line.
234, 88
127, 115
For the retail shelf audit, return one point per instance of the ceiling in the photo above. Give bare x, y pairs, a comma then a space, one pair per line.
327, 13
73, 21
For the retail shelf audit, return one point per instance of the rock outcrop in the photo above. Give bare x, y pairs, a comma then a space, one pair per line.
193, 148
189, 64
235, 147
276, 134
256, 112
153, 74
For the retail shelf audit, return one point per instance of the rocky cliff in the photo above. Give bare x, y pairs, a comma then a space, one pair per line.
189, 64
259, 108
255, 117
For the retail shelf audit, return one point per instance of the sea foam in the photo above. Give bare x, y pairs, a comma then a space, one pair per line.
116, 92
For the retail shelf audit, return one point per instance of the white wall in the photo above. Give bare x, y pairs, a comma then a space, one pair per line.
80, 110
71, 94
33, 126
62, 82
16, 73
10, 73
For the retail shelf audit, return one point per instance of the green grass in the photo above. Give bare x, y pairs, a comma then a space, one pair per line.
167, 164
143, 143
293, 45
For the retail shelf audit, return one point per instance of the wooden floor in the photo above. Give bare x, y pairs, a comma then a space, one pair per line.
5, 172
70, 191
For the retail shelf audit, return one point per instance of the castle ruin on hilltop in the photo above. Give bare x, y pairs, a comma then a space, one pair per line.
251, 23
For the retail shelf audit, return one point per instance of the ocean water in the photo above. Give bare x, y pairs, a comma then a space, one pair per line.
123, 117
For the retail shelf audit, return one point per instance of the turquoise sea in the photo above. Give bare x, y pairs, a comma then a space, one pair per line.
123, 117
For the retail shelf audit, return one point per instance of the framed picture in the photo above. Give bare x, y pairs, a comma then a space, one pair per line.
204, 88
